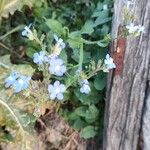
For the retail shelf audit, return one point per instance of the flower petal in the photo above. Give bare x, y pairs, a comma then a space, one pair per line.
51, 88
53, 96
60, 96
62, 88
56, 84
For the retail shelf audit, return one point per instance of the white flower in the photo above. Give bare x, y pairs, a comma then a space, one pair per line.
57, 66
85, 88
59, 42
132, 28
105, 7
141, 29
27, 32
40, 57
129, 3
56, 90
109, 62
58, 46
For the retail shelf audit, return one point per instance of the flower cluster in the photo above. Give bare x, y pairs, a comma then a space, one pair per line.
133, 29
109, 62
57, 66
40, 58
129, 25
56, 90
17, 81
85, 88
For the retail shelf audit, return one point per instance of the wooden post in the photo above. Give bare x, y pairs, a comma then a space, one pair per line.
126, 91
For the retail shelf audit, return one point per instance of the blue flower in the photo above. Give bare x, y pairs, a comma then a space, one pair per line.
56, 90
85, 88
59, 42
40, 57
27, 32
21, 83
109, 62
57, 66
11, 79
17, 81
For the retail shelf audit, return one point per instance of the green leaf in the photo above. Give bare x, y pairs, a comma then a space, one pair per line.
100, 20
101, 14
55, 26
88, 27
105, 29
79, 124
76, 54
100, 81
92, 114
73, 116
81, 111
88, 132
74, 40
30, 52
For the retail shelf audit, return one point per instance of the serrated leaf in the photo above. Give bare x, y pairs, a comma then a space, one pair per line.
88, 132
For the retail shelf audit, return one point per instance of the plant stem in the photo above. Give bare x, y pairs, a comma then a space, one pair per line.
81, 56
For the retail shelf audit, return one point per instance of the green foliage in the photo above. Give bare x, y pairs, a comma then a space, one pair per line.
100, 81
85, 30
55, 26
88, 132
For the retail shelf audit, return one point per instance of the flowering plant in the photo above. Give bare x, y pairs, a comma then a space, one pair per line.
66, 69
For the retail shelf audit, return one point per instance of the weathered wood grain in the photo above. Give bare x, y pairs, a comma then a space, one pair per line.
146, 121
126, 93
